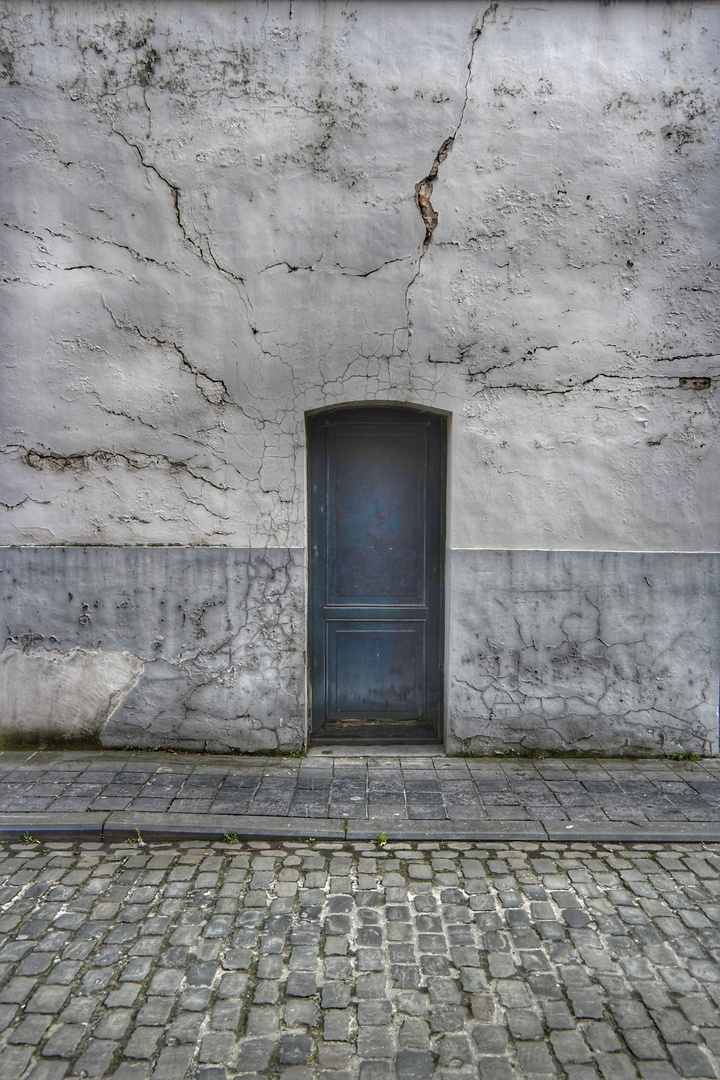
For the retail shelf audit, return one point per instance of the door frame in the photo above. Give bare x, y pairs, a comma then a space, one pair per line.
438, 721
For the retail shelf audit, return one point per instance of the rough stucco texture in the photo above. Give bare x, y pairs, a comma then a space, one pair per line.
211, 640
202, 648
211, 225
599, 652
217, 216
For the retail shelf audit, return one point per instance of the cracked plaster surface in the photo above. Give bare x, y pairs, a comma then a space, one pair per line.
212, 637
604, 653
219, 216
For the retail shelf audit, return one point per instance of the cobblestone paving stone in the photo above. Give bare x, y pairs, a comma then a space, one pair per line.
351, 960
419, 787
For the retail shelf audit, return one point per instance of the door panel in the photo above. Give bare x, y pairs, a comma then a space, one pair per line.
376, 501
376, 566
375, 670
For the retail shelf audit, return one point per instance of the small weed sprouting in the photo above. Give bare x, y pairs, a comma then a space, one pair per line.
28, 839
680, 755
231, 838
137, 839
380, 840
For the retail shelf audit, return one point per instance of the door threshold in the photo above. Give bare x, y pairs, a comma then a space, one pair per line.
375, 750
375, 733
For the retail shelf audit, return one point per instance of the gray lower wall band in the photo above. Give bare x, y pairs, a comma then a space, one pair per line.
204, 648
184, 647
583, 651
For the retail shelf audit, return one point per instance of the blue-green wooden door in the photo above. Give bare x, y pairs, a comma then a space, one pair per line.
376, 565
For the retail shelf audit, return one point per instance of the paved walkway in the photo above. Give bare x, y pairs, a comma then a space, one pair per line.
346, 794
344, 961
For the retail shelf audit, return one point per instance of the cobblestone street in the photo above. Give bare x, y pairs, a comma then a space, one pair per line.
341, 960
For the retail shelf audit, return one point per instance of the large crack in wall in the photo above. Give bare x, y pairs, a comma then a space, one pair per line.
424, 188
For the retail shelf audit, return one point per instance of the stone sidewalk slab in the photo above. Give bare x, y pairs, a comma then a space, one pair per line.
409, 792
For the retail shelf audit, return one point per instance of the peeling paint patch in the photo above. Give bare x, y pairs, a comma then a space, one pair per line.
50, 698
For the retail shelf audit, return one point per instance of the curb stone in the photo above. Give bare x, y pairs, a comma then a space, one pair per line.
420, 829
154, 826
74, 826
629, 832
118, 826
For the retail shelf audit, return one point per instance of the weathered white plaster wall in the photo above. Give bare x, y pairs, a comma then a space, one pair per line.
217, 216
211, 226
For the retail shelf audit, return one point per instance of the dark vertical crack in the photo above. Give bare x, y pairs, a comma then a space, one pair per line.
424, 189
